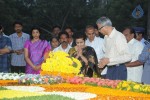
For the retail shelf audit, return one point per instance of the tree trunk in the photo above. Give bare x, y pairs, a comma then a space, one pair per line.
148, 23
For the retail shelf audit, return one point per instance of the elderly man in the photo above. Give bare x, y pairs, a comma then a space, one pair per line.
133, 73
116, 50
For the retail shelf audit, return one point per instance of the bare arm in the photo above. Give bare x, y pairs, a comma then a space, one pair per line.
84, 59
27, 59
4, 51
134, 64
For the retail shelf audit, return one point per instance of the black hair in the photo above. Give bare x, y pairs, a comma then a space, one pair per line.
95, 26
132, 31
63, 33
17, 22
56, 26
54, 37
79, 36
69, 27
90, 26
39, 29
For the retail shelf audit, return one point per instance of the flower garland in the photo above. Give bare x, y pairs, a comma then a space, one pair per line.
133, 86
10, 76
60, 62
38, 79
94, 81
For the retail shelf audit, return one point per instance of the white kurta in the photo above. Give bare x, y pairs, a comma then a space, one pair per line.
61, 49
135, 73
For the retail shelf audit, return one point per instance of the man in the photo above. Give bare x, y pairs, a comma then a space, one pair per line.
56, 30
70, 32
2, 31
144, 58
64, 46
95, 42
140, 35
133, 73
116, 50
18, 40
5, 48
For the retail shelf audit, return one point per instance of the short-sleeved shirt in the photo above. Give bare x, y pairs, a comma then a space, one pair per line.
4, 58
145, 58
17, 44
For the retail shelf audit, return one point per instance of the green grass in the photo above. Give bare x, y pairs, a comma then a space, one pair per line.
2, 88
44, 97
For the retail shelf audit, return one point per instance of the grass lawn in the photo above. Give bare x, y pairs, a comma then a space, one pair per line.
44, 97
2, 88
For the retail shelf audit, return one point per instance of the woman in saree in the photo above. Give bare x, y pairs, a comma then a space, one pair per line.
87, 57
36, 49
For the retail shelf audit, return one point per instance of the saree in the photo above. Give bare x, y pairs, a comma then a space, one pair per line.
36, 53
89, 53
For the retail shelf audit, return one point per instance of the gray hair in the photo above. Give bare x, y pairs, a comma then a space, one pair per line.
104, 21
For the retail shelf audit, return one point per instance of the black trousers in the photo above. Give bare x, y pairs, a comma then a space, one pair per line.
17, 69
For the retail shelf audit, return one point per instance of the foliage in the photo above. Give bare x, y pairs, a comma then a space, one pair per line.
75, 13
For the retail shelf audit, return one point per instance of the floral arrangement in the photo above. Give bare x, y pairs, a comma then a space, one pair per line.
102, 93
10, 76
38, 79
60, 62
133, 86
94, 81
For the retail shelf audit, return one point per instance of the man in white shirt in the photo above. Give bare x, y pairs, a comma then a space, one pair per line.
64, 46
136, 47
95, 42
116, 50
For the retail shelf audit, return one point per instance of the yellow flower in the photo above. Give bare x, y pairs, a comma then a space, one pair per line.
137, 86
128, 88
61, 62
124, 84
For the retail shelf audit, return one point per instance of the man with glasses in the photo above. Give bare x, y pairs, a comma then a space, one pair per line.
116, 50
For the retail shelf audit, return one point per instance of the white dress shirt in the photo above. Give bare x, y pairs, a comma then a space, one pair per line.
116, 48
61, 49
135, 73
98, 45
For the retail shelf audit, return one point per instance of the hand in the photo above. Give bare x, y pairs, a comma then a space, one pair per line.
103, 62
79, 50
36, 68
18, 52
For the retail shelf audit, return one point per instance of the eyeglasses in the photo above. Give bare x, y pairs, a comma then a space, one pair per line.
100, 28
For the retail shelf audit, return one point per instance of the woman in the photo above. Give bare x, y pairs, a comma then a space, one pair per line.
86, 55
36, 50
54, 42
